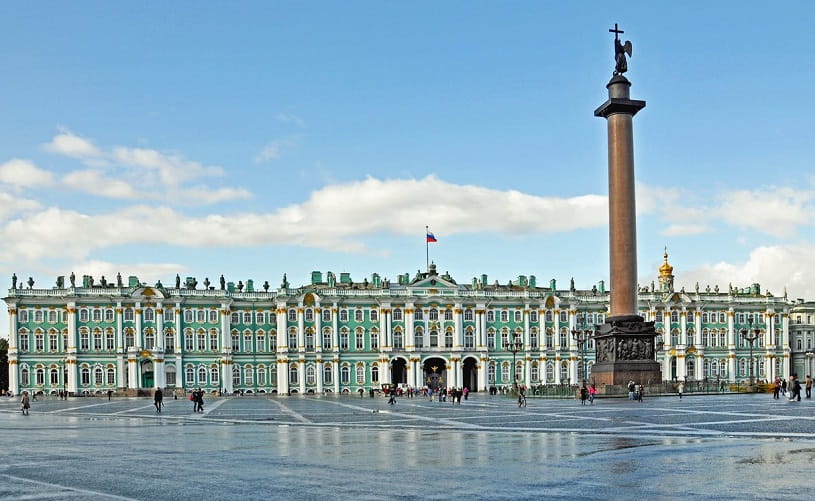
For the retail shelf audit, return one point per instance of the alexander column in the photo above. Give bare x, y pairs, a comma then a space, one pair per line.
626, 342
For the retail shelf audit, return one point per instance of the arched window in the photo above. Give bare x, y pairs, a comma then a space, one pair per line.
83, 315
360, 374
308, 315
505, 372
260, 342
84, 339
292, 339
448, 314
418, 314
310, 375
189, 375
550, 373
345, 374
169, 374
234, 318
149, 338
293, 375
202, 375
398, 342
327, 338
448, 338
24, 377
533, 338
344, 338
504, 338
374, 374
213, 316
564, 338
214, 375
434, 314
564, 373
248, 376
434, 338
310, 339
491, 338
261, 376
397, 315
534, 372
374, 338
247, 341
328, 374
533, 316
85, 376
148, 315
111, 372
169, 340
549, 316
358, 315
490, 316
213, 339
468, 315
418, 337
292, 315
53, 376
110, 339
236, 376
469, 338
200, 316
491, 373
98, 376
517, 316
504, 316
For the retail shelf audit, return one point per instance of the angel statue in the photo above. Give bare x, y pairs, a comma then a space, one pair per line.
620, 50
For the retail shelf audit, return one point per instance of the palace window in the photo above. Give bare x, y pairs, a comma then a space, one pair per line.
359, 336
343, 339
149, 315
564, 338
504, 338
418, 314
358, 315
326, 314
97, 340
549, 338
533, 316
85, 376
311, 378
236, 376
169, 375
397, 315
260, 342
374, 315
505, 372
53, 375
292, 315
448, 314
549, 316
360, 374
491, 373
504, 316
84, 340
189, 375
52, 317
469, 339
690, 316
517, 316
213, 340
98, 376
468, 315
213, 316
418, 337
308, 316
292, 339
248, 376
169, 315
83, 315
533, 338
188, 316
272, 340
398, 343
310, 339
169, 340
52, 341
234, 318
236, 341
434, 338
550, 373
111, 380
214, 375
247, 341
328, 374
491, 338
674, 337
247, 318
658, 316
490, 316
564, 316
374, 339
188, 341
345, 374
375, 374
534, 373
434, 314
448, 338
343, 315
327, 338
23, 316
293, 375
261, 376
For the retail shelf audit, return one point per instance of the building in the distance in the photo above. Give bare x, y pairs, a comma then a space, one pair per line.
802, 338
339, 335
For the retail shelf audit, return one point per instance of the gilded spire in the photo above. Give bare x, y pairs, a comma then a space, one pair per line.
666, 270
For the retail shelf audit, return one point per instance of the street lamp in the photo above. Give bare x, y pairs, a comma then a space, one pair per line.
516, 345
64, 364
745, 333
581, 337
810, 355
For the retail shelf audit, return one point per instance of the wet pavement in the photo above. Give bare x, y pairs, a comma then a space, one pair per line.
727, 446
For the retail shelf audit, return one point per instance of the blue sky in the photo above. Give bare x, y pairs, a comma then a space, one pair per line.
257, 138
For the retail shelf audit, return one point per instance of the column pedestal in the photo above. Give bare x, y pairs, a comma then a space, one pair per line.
625, 352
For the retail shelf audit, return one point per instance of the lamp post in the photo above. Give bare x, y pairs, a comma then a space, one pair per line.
581, 336
64, 364
516, 345
745, 333
810, 355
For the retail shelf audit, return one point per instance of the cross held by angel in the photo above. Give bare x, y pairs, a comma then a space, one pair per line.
620, 50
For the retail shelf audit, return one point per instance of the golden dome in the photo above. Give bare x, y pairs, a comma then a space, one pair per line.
666, 270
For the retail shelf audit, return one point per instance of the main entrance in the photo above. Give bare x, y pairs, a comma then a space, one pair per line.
469, 369
435, 373
147, 374
398, 371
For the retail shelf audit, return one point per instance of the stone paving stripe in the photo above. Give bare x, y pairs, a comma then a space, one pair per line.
64, 488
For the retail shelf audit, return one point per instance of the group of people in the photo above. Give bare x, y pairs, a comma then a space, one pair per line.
791, 389
197, 399
636, 391
442, 394
587, 394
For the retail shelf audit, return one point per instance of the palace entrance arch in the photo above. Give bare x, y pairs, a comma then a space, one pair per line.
469, 369
435, 373
399, 371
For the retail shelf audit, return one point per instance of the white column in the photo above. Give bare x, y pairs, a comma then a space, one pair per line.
558, 363
177, 316
132, 372
318, 334
483, 376
282, 350
160, 328
335, 332
409, 328
458, 333
137, 311
319, 375
335, 368
697, 317
226, 375
542, 331
683, 326
71, 354
13, 367
301, 374
301, 331
159, 375
526, 326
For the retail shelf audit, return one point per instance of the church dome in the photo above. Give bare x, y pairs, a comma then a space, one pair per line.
666, 270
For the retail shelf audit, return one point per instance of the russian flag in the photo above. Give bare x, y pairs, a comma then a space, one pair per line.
431, 237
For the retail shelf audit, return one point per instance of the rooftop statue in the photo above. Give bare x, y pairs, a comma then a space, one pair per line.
620, 50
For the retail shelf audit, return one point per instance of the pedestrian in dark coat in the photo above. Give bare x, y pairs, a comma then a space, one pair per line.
158, 399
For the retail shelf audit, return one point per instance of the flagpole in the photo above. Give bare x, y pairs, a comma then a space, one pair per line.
427, 249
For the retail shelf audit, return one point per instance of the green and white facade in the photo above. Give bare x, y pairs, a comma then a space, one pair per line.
336, 335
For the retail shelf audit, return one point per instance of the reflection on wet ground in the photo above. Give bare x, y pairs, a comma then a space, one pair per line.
730, 447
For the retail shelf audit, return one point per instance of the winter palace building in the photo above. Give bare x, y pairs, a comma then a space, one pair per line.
338, 335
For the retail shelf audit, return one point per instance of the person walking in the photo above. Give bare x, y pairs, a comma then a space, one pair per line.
592, 393
680, 388
158, 399
199, 401
809, 386
25, 403
795, 391
640, 392
584, 394
777, 388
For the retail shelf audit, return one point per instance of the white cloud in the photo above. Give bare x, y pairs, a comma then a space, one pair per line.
92, 181
70, 145
172, 169
290, 119
274, 148
202, 195
10, 205
24, 174
774, 267
775, 211
683, 230
333, 218
146, 272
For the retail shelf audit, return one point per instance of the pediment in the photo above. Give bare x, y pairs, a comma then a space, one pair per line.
148, 293
433, 282
677, 298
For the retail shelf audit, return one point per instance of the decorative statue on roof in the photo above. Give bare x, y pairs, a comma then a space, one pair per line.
30, 283
285, 284
72, 278
13, 280
60, 282
223, 283
620, 50
103, 281
266, 286
158, 285
571, 284
206, 283
177, 281
697, 287
118, 280
240, 285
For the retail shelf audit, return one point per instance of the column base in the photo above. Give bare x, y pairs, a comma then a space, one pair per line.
626, 352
